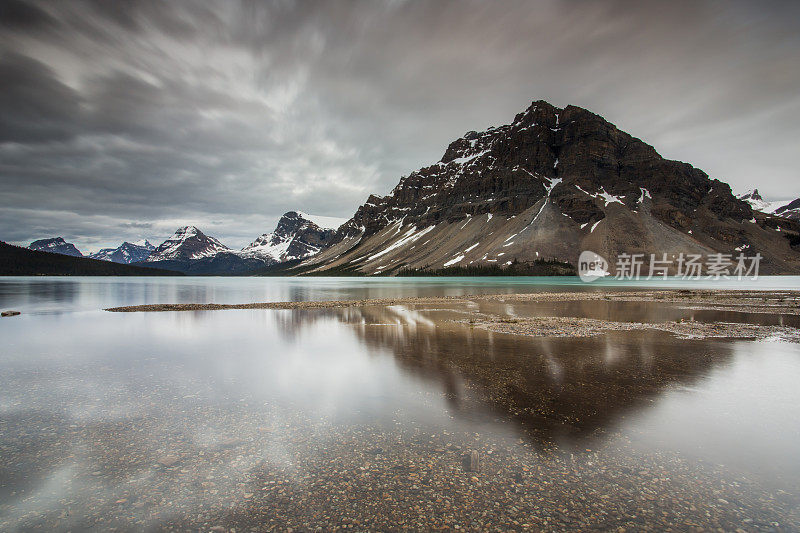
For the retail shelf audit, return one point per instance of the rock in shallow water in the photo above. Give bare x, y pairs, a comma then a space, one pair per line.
472, 462
168, 460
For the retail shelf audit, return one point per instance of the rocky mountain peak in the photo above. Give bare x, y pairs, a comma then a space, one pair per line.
188, 231
758, 203
752, 195
573, 157
188, 242
291, 222
548, 180
56, 245
126, 253
296, 236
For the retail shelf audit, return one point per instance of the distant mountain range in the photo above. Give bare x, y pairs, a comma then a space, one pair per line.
783, 209
127, 252
297, 236
550, 184
19, 261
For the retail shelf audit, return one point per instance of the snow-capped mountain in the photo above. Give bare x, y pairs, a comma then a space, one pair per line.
56, 245
298, 235
550, 184
790, 210
188, 242
127, 252
758, 203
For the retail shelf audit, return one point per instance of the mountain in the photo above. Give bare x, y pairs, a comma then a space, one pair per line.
55, 245
188, 242
18, 261
790, 210
126, 253
552, 183
758, 203
298, 235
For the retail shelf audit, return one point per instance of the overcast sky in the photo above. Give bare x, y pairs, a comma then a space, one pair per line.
123, 120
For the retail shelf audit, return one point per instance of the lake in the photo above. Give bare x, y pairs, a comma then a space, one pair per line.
365, 417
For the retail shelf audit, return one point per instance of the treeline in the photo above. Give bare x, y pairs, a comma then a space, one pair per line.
539, 267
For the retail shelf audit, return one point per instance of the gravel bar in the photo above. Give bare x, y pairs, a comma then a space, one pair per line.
783, 302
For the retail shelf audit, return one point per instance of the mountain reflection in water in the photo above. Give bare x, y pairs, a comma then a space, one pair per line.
558, 390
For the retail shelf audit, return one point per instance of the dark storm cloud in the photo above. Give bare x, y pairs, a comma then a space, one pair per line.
125, 120
20, 15
36, 106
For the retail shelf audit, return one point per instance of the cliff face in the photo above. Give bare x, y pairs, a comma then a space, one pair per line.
551, 183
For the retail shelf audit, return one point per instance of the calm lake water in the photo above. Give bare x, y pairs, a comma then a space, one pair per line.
360, 418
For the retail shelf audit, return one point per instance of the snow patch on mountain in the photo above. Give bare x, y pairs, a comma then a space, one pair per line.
269, 246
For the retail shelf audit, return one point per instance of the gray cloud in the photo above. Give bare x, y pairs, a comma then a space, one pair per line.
122, 121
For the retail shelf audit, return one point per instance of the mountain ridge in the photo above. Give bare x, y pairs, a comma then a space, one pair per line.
296, 236
548, 185
126, 253
790, 210
21, 261
553, 182
56, 245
